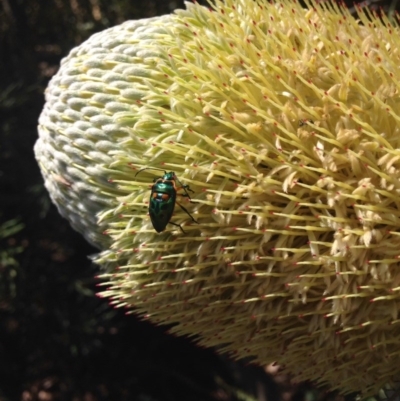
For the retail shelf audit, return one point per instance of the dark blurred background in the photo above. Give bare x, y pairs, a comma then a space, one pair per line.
57, 340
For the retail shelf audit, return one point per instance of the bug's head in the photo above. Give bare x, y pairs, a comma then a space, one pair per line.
170, 176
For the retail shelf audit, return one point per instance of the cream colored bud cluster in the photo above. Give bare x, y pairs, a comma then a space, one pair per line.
285, 122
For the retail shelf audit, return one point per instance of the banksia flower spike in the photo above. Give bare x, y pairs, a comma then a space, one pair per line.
285, 122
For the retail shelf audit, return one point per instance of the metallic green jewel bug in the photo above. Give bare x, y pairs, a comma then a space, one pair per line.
163, 198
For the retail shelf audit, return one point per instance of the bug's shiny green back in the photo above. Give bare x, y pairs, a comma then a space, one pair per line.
162, 203
163, 198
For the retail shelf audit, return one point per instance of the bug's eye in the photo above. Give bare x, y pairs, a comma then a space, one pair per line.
165, 196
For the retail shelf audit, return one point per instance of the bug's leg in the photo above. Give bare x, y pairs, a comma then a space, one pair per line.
186, 211
178, 225
185, 195
187, 188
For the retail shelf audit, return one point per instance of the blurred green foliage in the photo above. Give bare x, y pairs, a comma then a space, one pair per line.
9, 249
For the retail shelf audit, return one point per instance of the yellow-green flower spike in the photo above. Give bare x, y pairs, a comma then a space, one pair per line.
285, 122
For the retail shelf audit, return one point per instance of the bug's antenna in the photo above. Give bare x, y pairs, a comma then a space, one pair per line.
150, 168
